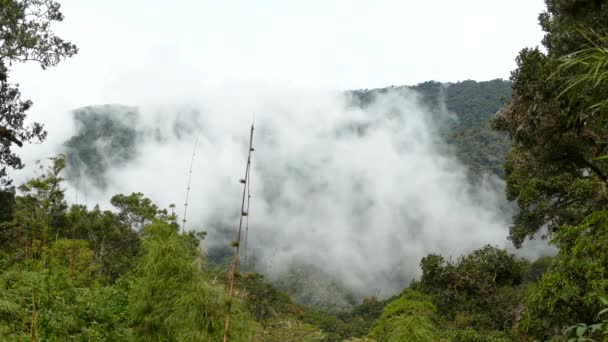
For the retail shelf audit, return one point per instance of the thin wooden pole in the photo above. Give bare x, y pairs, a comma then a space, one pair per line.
247, 221
235, 262
188, 187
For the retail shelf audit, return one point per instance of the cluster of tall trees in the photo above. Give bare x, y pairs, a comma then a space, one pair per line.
68, 272
556, 171
73, 273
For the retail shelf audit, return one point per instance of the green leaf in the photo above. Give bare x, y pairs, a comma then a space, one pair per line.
604, 157
596, 327
581, 330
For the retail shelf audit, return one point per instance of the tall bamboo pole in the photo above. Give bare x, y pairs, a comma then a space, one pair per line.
188, 187
237, 243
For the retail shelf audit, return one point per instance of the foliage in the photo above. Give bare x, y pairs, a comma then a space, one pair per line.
470, 335
76, 259
279, 330
49, 304
25, 35
590, 333
114, 243
473, 104
480, 290
361, 318
556, 171
171, 298
137, 211
57, 288
536, 269
586, 83
38, 209
322, 290
568, 292
75, 273
335, 328
409, 317
267, 303
40, 214
552, 171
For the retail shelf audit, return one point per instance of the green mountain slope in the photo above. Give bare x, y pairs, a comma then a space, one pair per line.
468, 134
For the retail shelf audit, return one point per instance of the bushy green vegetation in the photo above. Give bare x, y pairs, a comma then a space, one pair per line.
411, 316
69, 273
481, 290
578, 277
74, 273
475, 298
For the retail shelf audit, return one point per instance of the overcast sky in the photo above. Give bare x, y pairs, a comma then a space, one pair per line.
348, 44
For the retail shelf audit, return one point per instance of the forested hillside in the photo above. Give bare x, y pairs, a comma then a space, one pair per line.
111, 135
472, 104
72, 272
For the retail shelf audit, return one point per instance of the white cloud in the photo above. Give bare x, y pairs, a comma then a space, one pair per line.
365, 206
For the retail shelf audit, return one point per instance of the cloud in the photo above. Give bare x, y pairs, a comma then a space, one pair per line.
361, 193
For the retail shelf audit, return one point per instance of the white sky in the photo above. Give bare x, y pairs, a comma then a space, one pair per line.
138, 44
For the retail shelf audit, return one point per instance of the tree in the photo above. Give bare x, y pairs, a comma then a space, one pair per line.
25, 35
40, 214
408, 318
569, 292
480, 289
171, 298
586, 80
115, 245
286, 329
40, 210
7, 204
61, 302
536, 269
137, 211
592, 332
552, 171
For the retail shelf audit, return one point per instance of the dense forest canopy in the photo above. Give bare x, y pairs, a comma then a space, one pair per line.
129, 272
